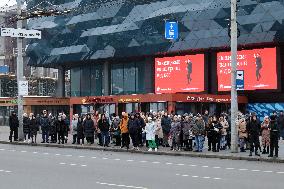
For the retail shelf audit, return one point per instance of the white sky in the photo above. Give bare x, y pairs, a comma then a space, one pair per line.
9, 2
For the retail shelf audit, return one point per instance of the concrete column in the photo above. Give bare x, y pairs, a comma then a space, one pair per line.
106, 79
60, 90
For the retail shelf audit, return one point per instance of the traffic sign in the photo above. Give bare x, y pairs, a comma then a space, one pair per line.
12, 32
171, 30
240, 82
23, 88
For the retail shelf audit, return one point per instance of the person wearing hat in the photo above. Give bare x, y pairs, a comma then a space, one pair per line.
280, 122
274, 136
14, 124
150, 131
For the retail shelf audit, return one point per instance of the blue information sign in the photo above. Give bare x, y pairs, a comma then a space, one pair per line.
240, 82
171, 30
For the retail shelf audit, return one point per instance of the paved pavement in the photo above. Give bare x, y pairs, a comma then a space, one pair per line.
31, 167
4, 133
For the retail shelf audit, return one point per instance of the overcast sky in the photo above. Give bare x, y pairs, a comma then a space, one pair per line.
9, 2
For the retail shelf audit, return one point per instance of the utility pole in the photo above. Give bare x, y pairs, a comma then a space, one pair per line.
234, 95
20, 72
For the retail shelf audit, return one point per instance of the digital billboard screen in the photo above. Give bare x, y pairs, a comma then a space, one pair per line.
258, 66
179, 74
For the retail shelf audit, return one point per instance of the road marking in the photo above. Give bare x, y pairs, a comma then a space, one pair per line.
130, 160
216, 167
58, 154
2, 149
83, 165
280, 172
105, 158
194, 176
117, 159
143, 161
81, 156
68, 155
243, 169
35, 152
267, 171
121, 185
255, 170
217, 178
12, 150
192, 165
62, 163
94, 157
73, 164
24, 151
180, 164
206, 177
1, 170
156, 162
8, 171
205, 166
230, 168
185, 175
169, 163
177, 174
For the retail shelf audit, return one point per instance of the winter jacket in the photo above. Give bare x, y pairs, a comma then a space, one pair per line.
175, 131
13, 122
26, 125
274, 129
133, 126
187, 129
44, 124
199, 128
61, 126
150, 130
242, 129
89, 128
280, 121
166, 124
80, 130
103, 125
53, 128
115, 127
253, 128
124, 125
74, 126
159, 129
34, 127
225, 125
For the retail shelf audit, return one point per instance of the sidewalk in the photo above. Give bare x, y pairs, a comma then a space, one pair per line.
4, 134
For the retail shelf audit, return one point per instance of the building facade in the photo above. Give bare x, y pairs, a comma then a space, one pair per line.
116, 48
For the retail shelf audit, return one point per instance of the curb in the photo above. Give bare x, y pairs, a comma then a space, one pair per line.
184, 154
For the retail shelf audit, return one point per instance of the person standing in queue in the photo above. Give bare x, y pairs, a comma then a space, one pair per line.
116, 130
141, 124
61, 129
26, 128
104, 126
45, 124
74, 128
14, 125
134, 128
253, 129
166, 126
89, 129
265, 135
124, 130
80, 131
274, 136
34, 127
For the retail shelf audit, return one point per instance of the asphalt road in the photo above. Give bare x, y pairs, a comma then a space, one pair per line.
28, 167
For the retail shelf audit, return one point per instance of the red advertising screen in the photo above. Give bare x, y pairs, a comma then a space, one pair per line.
259, 66
179, 74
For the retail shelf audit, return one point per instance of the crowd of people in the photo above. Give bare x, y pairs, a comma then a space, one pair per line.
154, 129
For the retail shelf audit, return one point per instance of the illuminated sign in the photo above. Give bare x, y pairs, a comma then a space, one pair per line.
179, 74
258, 65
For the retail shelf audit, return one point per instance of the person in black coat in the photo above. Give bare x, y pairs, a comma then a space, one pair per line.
166, 126
14, 125
142, 125
253, 129
134, 128
34, 127
89, 129
61, 129
274, 136
53, 130
26, 127
45, 124
211, 134
104, 127
80, 131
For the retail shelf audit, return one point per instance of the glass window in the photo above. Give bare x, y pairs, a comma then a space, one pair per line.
96, 80
85, 81
117, 79
129, 78
75, 81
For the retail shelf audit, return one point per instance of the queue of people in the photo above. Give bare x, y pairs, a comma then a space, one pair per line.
179, 132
